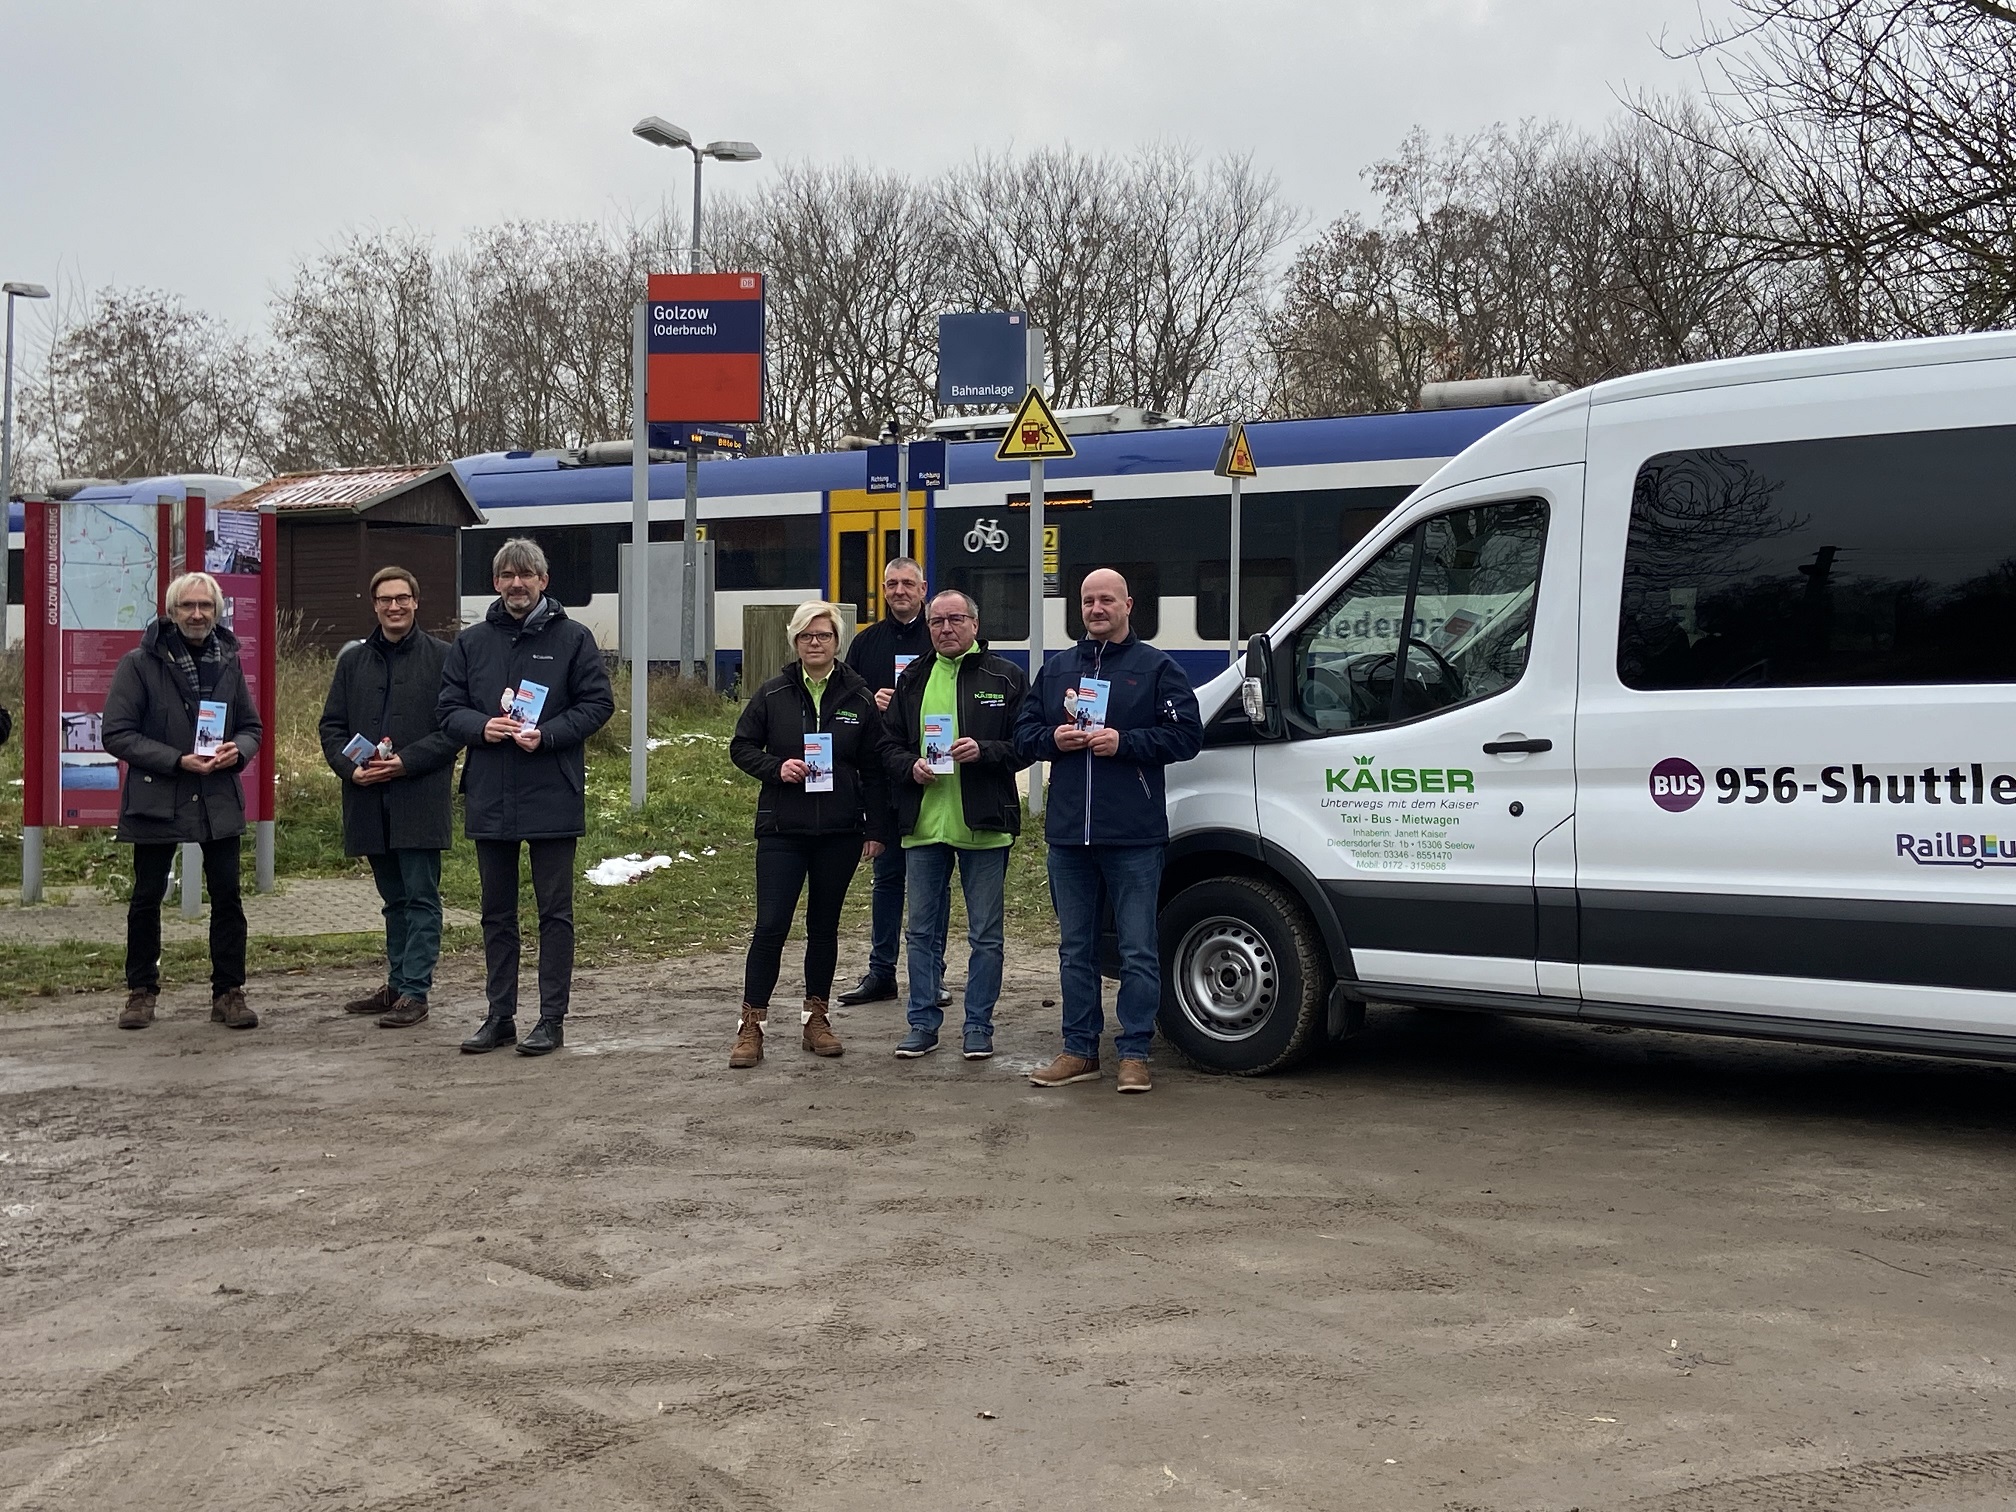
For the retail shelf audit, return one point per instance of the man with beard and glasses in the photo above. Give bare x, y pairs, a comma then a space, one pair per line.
523, 689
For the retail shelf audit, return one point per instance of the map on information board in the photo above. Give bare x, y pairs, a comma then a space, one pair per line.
110, 571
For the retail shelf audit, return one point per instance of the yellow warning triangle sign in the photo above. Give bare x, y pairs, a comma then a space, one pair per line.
1235, 458
1034, 434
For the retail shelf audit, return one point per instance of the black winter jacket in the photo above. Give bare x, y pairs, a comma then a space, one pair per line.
874, 651
392, 688
991, 691
772, 731
510, 793
150, 724
1118, 799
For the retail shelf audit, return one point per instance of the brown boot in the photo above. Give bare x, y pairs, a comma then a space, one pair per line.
404, 1014
228, 1009
819, 1036
748, 1039
380, 1001
138, 1012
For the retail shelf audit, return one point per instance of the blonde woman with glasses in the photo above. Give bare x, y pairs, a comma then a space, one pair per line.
814, 738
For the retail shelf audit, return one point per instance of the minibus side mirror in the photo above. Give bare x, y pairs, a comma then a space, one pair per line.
1258, 695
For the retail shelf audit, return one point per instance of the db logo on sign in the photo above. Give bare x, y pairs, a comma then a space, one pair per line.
1677, 784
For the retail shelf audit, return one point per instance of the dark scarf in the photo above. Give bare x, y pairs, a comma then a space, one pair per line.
185, 657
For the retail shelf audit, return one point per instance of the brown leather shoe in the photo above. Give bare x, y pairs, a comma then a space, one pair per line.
819, 1036
228, 1009
138, 1012
748, 1039
406, 1012
1134, 1077
381, 1001
1064, 1070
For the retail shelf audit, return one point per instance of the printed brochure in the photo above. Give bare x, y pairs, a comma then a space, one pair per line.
938, 738
819, 762
209, 726
902, 662
360, 750
528, 703
1092, 697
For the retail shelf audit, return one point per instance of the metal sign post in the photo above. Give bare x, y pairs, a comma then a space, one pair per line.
689, 646
903, 496
1235, 462
640, 536
1033, 436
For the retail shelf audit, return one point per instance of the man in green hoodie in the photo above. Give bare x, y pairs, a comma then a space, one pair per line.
952, 767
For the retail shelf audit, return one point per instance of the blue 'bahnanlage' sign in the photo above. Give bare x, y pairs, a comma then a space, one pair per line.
983, 358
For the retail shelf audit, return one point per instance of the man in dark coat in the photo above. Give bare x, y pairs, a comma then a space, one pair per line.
173, 796
523, 689
1107, 822
879, 654
396, 799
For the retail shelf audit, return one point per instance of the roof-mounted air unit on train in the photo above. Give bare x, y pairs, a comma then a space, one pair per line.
1481, 393
1102, 420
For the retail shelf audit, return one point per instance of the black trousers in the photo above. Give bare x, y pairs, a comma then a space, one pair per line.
786, 865
553, 887
227, 915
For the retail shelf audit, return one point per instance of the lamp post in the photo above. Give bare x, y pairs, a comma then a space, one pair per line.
660, 132
13, 291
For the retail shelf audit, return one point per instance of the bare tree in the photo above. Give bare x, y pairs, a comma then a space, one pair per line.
141, 384
1881, 138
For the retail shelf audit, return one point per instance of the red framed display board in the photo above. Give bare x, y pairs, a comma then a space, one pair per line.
95, 572
704, 348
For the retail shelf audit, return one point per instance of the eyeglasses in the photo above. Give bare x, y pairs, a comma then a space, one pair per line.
946, 621
399, 601
817, 637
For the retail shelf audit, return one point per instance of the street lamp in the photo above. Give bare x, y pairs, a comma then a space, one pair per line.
660, 132
13, 291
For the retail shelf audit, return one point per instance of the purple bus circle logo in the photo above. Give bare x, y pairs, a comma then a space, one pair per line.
1677, 784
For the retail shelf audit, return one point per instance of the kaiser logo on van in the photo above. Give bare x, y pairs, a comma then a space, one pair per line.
1677, 784
1366, 778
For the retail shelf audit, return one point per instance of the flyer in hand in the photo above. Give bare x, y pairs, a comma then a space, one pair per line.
902, 662
528, 703
819, 762
1093, 694
938, 738
209, 726
360, 749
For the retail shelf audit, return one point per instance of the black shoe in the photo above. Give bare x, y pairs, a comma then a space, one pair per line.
944, 997
495, 1032
873, 989
544, 1038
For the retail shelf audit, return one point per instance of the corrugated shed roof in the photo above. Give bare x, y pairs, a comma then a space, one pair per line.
340, 488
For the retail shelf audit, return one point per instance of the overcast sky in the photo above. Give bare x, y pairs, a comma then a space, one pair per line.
204, 146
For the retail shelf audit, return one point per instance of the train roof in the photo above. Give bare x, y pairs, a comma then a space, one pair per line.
506, 478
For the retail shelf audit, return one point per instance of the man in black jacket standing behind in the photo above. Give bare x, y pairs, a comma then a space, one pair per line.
523, 690
396, 799
879, 654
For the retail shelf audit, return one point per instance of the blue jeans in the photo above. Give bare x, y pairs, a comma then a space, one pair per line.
983, 876
410, 883
885, 911
1131, 877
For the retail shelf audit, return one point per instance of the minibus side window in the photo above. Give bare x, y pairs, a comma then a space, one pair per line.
1449, 604
1839, 562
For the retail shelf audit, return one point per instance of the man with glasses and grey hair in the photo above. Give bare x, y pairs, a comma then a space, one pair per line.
523, 689
183, 761
952, 765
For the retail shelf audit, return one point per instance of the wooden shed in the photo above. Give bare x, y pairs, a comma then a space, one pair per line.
337, 528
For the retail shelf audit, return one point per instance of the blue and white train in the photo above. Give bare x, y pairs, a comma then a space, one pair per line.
1145, 502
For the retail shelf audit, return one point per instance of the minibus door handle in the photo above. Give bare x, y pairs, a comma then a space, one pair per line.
1516, 747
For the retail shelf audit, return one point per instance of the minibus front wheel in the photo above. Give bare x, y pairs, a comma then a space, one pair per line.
1244, 982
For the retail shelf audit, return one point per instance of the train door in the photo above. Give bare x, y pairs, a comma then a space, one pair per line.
865, 534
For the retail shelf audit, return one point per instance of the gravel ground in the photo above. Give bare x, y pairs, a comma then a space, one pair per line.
1458, 1265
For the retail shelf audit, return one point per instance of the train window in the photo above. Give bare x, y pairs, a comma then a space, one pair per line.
570, 560
1267, 586
1144, 580
781, 552
1002, 594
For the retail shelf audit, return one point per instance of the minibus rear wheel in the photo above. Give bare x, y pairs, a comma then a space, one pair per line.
1243, 976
